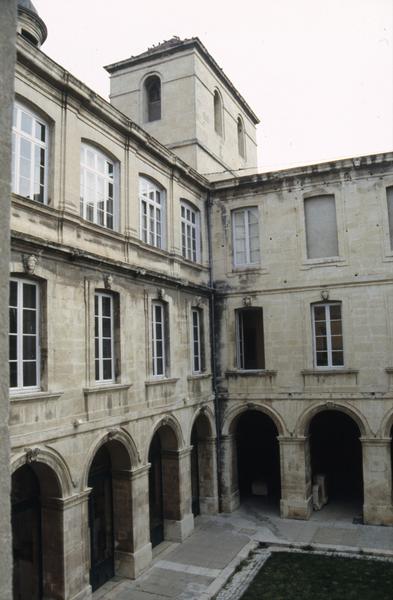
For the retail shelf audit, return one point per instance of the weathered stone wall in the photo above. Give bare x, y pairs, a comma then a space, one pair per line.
285, 284
7, 63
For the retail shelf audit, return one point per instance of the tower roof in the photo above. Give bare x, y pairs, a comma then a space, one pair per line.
27, 10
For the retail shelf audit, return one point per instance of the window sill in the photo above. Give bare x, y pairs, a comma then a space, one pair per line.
323, 262
328, 371
198, 376
389, 370
34, 396
106, 387
163, 380
250, 373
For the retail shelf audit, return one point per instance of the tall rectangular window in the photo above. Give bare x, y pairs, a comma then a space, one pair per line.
152, 213
190, 232
197, 341
245, 236
97, 187
159, 339
103, 337
24, 335
249, 338
328, 337
389, 199
29, 155
321, 226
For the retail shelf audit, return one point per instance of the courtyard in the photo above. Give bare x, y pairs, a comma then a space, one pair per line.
225, 552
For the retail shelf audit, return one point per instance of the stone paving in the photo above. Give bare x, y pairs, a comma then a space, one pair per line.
199, 568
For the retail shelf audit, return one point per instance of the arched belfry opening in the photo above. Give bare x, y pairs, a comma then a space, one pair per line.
110, 512
153, 98
164, 484
258, 460
203, 471
336, 462
37, 534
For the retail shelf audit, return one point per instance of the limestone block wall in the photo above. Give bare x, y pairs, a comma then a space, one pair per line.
285, 284
7, 64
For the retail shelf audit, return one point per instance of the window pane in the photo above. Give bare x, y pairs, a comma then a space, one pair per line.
321, 343
322, 359
13, 320
389, 198
13, 293
29, 295
29, 374
106, 306
335, 311
29, 321
29, 347
107, 369
320, 328
319, 313
13, 374
337, 342
106, 348
12, 347
97, 370
335, 327
26, 123
106, 328
338, 359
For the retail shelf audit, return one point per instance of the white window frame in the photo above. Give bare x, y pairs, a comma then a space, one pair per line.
246, 221
20, 335
196, 340
106, 178
100, 338
190, 232
152, 213
155, 339
36, 145
329, 349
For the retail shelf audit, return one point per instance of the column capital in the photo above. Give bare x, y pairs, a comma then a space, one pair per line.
373, 441
293, 439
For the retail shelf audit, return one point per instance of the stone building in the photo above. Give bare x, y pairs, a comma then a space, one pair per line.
180, 340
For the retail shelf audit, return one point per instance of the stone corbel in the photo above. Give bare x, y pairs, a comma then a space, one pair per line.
108, 281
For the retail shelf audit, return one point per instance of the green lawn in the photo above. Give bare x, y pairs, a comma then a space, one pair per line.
294, 576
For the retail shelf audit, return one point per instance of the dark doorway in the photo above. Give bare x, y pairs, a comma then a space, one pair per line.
258, 458
26, 535
156, 504
336, 453
101, 519
196, 509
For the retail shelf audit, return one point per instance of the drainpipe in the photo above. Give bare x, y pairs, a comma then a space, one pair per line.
213, 348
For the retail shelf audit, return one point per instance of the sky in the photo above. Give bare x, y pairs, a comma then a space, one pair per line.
318, 73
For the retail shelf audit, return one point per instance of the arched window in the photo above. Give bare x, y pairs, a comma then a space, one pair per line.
217, 113
152, 202
240, 137
29, 154
98, 187
153, 98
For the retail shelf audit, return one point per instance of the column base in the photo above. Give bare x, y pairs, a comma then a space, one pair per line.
377, 514
178, 531
296, 509
230, 502
132, 564
208, 505
85, 594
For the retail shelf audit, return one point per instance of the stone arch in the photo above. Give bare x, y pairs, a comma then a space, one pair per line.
40, 481
387, 424
202, 439
46, 460
231, 416
123, 451
171, 435
210, 422
303, 422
